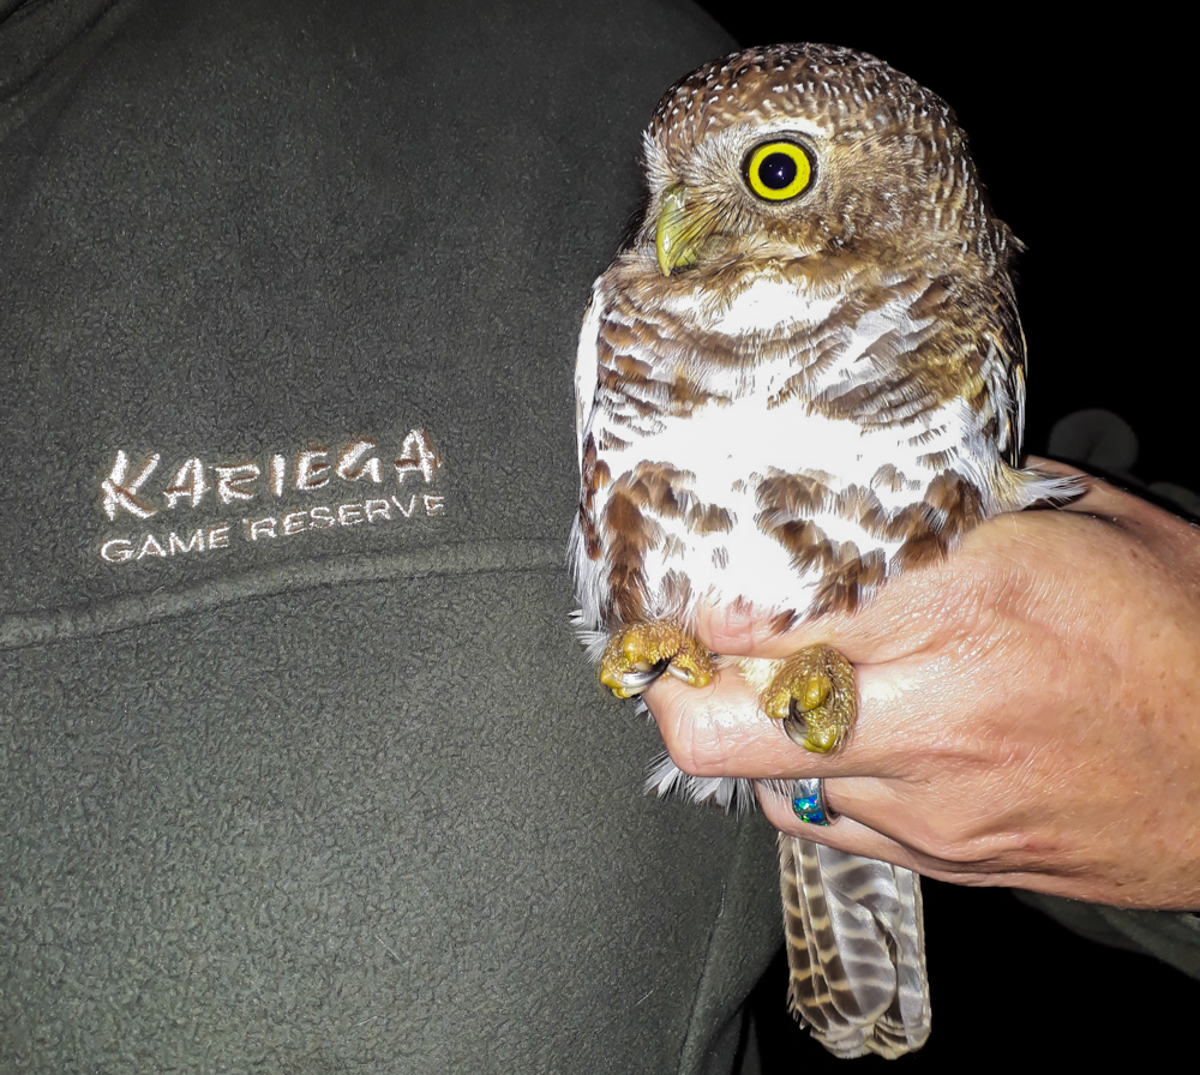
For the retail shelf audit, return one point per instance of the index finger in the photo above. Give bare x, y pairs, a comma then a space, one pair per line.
721, 729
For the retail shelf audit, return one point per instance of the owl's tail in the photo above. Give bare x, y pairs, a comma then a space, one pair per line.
856, 950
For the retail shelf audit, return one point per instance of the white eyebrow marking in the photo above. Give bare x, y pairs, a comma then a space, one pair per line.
797, 124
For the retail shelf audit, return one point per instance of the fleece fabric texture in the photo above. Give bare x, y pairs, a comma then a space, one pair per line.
303, 770
300, 767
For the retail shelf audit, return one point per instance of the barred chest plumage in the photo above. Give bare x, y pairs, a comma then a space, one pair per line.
748, 441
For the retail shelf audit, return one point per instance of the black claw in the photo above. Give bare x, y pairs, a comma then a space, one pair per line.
795, 725
636, 682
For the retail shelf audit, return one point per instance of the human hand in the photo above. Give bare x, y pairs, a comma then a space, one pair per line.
1029, 710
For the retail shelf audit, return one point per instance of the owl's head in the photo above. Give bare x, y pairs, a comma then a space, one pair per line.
800, 150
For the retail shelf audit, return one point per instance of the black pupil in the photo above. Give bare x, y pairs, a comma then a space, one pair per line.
777, 170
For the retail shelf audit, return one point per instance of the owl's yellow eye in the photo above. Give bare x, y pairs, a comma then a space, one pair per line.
778, 171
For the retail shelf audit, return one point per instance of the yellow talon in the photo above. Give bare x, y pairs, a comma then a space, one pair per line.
816, 691
814, 696
633, 656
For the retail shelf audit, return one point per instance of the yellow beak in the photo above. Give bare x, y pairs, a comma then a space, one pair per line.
680, 234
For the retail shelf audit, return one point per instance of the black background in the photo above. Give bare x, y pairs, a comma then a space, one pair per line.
1076, 142
1074, 137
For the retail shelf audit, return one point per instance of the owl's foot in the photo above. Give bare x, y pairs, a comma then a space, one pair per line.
814, 695
636, 656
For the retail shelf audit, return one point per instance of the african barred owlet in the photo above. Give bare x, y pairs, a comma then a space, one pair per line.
804, 374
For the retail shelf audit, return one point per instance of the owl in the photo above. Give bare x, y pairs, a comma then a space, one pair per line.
802, 375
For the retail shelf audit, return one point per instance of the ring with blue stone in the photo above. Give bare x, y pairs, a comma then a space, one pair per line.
808, 801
